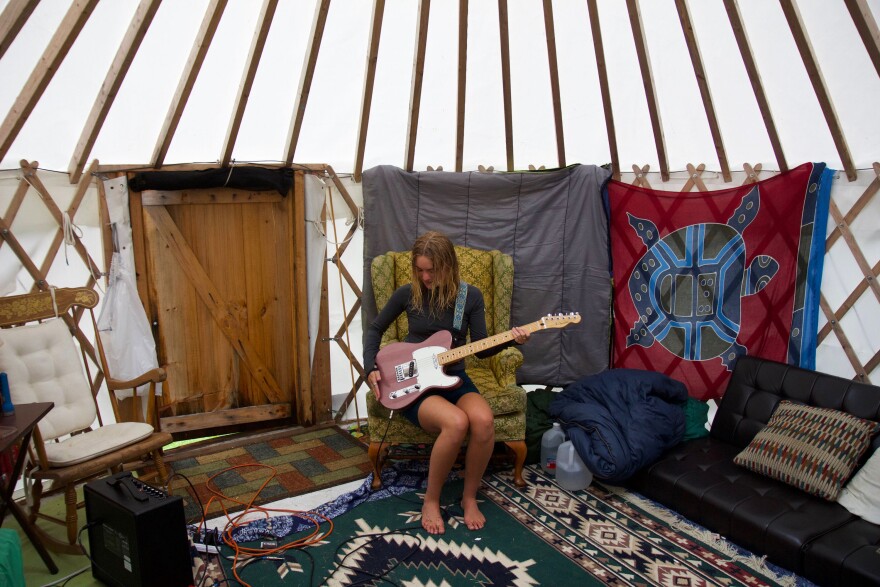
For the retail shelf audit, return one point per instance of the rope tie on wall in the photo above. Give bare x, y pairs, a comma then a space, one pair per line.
71, 232
229, 175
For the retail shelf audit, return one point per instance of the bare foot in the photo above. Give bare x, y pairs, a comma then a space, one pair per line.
432, 519
473, 517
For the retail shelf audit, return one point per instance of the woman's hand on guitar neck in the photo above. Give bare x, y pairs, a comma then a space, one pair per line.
520, 335
373, 381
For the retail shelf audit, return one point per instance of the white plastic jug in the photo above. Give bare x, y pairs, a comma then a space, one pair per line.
550, 442
571, 473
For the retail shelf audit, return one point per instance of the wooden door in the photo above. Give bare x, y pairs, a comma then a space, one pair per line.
224, 277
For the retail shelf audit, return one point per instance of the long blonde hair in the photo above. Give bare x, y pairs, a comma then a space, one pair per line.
438, 248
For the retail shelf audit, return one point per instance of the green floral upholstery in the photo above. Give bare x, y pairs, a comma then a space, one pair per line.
495, 377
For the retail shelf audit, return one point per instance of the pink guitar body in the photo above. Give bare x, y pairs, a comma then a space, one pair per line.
409, 369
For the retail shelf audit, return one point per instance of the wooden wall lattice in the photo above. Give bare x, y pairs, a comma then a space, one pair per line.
38, 269
870, 273
840, 322
696, 178
38, 264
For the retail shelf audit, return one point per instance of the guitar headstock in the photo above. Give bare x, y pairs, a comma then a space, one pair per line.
559, 320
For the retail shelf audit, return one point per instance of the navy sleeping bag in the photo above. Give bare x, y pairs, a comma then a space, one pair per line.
622, 419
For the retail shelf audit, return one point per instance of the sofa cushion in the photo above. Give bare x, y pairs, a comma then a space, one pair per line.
846, 556
813, 537
699, 481
861, 495
813, 449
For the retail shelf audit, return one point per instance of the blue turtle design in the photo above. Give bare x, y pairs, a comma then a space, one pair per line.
687, 287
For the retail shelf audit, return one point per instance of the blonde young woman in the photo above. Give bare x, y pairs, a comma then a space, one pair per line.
453, 414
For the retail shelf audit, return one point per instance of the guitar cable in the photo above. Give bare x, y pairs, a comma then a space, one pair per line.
381, 442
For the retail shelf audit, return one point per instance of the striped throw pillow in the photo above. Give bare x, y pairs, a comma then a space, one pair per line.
813, 449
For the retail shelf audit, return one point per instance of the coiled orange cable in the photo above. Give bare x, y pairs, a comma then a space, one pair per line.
314, 537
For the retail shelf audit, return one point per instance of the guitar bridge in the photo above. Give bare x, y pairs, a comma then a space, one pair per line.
406, 371
404, 391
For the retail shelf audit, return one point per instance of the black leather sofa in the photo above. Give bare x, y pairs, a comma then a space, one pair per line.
815, 538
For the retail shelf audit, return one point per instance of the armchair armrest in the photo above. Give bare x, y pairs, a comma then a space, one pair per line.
505, 364
151, 377
156, 375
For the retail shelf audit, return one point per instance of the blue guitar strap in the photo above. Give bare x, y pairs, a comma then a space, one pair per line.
459, 306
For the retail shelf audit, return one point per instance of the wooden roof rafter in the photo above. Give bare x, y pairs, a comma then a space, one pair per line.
310, 61
369, 82
462, 83
745, 51
13, 19
264, 23
418, 75
202, 43
137, 29
505, 80
641, 45
550, 34
693, 46
866, 25
604, 87
805, 48
65, 35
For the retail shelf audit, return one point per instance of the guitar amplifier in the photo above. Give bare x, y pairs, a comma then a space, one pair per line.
137, 534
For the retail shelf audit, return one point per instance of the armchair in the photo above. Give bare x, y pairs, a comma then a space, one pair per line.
39, 356
495, 377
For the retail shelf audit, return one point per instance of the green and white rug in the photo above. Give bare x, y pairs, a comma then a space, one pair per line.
537, 535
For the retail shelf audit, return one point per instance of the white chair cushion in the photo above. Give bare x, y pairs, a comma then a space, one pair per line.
43, 365
88, 445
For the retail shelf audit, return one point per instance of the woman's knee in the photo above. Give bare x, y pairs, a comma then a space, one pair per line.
482, 425
455, 423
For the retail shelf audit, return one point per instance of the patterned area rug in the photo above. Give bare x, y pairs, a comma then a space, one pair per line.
302, 461
537, 535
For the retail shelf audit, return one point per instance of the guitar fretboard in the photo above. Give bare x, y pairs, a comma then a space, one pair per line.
489, 342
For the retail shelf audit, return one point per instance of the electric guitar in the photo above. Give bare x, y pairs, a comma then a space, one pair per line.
408, 369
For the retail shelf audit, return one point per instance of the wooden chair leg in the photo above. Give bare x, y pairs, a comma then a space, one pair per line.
377, 459
58, 545
520, 450
36, 496
160, 465
70, 505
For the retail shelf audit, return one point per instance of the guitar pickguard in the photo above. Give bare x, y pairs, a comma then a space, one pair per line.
407, 370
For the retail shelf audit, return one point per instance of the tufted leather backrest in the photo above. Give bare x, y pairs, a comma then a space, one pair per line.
43, 365
758, 385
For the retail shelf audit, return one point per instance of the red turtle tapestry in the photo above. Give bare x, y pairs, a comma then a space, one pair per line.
703, 278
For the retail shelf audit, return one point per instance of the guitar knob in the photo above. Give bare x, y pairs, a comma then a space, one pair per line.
417, 386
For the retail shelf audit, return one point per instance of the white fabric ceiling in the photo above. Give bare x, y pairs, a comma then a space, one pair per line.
332, 118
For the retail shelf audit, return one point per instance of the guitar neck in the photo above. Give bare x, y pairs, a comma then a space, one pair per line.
456, 354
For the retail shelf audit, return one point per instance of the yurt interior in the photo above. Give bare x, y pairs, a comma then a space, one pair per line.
462, 292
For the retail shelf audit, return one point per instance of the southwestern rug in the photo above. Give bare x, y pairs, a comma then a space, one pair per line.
267, 469
537, 535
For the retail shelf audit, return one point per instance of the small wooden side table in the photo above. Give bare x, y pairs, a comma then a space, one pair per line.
23, 422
